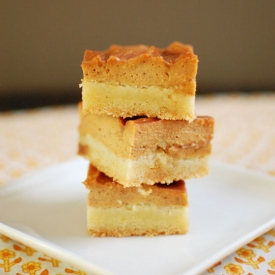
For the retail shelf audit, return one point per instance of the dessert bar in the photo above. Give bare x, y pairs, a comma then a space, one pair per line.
113, 210
146, 150
127, 81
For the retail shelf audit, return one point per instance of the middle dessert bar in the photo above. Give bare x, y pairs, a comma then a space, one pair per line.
146, 150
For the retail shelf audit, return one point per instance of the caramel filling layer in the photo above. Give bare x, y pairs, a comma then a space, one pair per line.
135, 137
142, 65
104, 192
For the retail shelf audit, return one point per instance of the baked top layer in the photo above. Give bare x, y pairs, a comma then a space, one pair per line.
134, 137
104, 192
141, 65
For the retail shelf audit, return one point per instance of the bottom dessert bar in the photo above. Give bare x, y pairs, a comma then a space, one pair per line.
114, 210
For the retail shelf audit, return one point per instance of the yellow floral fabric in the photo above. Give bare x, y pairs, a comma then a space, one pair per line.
39, 138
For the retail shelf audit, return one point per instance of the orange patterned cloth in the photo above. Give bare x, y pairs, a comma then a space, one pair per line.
39, 138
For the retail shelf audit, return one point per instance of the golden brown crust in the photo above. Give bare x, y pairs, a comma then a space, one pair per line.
141, 65
119, 232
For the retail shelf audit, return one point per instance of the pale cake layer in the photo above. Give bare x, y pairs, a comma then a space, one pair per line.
127, 81
132, 138
151, 167
137, 220
113, 210
127, 101
141, 66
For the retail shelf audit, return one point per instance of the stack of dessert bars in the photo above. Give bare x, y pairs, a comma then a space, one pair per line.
139, 131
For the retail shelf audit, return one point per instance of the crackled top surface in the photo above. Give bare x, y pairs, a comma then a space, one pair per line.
142, 65
124, 53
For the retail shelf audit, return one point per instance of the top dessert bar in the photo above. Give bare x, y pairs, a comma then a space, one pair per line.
127, 81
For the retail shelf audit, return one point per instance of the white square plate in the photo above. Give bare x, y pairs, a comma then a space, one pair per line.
227, 209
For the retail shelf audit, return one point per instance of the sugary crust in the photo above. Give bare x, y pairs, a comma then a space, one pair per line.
105, 192
141, 65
